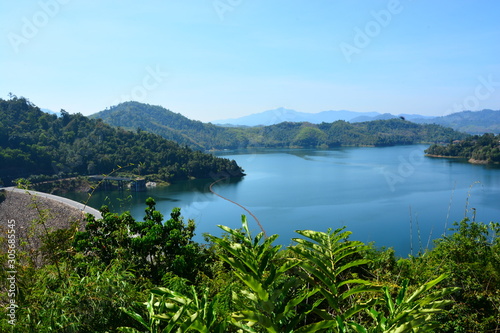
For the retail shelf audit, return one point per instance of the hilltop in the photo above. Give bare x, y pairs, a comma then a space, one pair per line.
472, 122
33, 142
170, 125
279, 115
198, 135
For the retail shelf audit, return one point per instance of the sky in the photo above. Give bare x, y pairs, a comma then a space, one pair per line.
219, 59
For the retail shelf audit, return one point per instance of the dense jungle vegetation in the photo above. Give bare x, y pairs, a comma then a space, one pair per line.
36, 143
480, 148
123, 275
174, 126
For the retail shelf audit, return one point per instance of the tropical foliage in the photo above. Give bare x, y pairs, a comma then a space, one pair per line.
154, 247
122, 275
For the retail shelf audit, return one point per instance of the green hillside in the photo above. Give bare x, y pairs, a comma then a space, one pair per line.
473, 122
196, 134
36, 143
341, 133
170, 125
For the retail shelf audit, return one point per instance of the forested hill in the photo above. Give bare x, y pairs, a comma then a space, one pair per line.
341, 133
477, 149
36, 143
170, 125
473, 122
196, 134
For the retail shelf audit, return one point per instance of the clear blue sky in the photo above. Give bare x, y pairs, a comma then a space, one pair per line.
216, 59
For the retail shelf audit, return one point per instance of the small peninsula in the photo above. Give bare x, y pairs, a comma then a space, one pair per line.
484, 149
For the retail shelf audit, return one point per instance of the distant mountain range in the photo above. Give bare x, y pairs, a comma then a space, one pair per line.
279, 115
472, 122
174, 126
276, 116
477, 122
51, 112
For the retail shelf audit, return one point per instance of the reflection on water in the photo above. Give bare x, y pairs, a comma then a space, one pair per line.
126, 200
371, 191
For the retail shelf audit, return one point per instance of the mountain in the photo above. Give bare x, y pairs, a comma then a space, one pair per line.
33, 142
412, 117
477, 122
51, 112
331, 116
472, 122
170, 125
285, 134
341, 133
279, 115
385, 116
265, 118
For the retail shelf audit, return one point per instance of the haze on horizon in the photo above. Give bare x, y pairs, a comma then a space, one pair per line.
223, 59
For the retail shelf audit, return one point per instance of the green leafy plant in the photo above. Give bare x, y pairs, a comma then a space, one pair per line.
328, 260
170, 311
272, 297
153, 246
81, 302
470, 256
408, 313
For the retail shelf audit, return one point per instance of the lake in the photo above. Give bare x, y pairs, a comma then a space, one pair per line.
393, 196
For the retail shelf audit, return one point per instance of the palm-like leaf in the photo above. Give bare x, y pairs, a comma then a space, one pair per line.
272, 297
179, 313
409, 313
150, 323
326, 259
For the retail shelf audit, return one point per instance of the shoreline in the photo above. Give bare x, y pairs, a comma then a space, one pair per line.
483, 162
445, 156
470, 160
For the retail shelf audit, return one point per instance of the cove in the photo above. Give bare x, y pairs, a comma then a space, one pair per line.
392, 196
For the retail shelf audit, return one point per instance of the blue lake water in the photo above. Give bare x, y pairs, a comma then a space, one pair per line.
393, 196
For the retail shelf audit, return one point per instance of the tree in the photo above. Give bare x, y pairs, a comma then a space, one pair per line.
153, 248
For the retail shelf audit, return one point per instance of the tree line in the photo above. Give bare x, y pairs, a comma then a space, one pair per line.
36, 143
